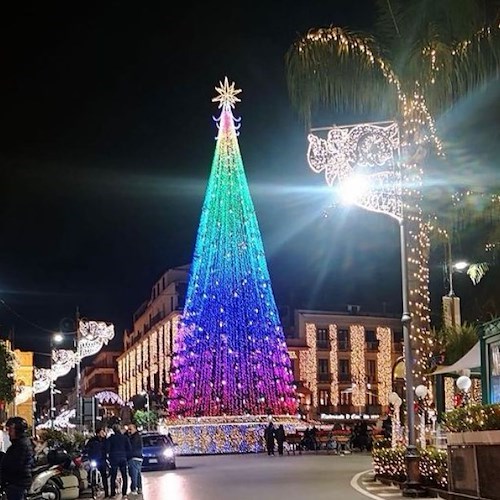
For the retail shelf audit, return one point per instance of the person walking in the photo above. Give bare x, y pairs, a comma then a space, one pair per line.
96, 451
280, 438
269, 438
118, 451
135, 460
15, 468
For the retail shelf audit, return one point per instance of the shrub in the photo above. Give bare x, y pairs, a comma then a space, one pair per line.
474, 417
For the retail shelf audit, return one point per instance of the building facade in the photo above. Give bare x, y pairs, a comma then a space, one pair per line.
342, 362
145, 362
345, 363
101, 375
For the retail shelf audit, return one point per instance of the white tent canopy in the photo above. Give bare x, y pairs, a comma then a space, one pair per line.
470, 361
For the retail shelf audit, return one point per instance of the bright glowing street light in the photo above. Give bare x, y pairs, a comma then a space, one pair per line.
352, 189
461, 265
346, 155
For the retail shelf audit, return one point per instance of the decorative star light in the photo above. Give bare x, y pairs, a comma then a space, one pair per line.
227, 94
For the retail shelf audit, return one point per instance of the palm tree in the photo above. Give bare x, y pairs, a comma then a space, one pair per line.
455, 342
426, 55
7, 382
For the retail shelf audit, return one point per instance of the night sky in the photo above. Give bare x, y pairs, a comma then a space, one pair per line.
106, 149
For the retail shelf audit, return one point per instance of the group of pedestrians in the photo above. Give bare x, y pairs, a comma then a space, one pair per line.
123, 451
273, 436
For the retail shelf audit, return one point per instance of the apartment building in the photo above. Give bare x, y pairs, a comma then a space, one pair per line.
145, 362
345, 362
342, 362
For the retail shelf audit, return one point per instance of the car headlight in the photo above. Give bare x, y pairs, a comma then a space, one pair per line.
168, 453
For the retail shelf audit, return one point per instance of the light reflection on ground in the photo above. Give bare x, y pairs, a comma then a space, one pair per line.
256, 477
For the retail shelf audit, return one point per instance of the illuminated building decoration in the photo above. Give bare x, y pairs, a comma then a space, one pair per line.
230, 355
109, 397
63, 360
334, 365
364, 153
309, 363
43, 377
93, 335
358, 368
384, 364
218, 435
449, 393
161, 359
366, 157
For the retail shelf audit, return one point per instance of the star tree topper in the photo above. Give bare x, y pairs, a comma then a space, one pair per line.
227, 94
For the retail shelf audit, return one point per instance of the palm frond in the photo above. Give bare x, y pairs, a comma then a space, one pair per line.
476, 61
457, 341
336, 68
477, 271
388, 23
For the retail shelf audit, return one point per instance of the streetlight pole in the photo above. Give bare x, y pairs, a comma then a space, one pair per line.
375, 184
54, 339
79, 405
412, 487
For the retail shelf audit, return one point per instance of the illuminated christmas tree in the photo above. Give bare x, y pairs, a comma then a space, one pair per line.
230, 352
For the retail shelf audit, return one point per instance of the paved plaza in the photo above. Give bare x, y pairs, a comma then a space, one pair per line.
260, 477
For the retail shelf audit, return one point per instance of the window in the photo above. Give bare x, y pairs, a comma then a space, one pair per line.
370, 336
371, 340
323, 366
324, 397
343, 335
322, 338
371, 370
344, 370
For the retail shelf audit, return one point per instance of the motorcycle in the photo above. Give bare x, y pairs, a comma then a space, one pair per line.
56, 480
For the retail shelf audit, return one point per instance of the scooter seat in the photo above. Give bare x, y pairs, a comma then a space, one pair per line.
40, 468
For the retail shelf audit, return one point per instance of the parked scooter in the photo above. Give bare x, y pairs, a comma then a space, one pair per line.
55, 481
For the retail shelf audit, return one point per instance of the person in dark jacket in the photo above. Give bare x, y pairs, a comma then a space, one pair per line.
269, 438
280, 438
15, 469
96, 451
135, 460
118, 450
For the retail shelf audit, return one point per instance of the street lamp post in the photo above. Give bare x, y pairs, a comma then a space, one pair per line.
55, 339
146, 395
364, 160
412, 486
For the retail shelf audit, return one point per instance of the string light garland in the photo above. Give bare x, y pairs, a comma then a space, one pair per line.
358, 365
230, 355
93, 335
384, 364
309, 363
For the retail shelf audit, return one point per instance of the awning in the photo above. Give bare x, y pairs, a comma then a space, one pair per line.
470, 361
